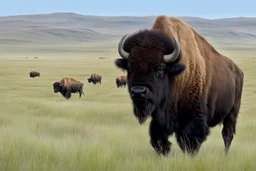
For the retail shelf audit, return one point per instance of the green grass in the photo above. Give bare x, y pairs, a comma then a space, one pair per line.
40, 130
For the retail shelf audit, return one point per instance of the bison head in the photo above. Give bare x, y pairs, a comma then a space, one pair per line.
57, 87
117, 82
89, 80
151, 60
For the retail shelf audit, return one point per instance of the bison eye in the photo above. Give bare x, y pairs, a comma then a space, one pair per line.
129, 68
160, 71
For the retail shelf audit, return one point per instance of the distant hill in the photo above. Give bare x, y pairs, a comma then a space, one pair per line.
65, 28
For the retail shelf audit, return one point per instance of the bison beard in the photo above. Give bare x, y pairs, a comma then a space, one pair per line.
142, 109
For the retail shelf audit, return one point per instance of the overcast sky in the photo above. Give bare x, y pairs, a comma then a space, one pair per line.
196, 8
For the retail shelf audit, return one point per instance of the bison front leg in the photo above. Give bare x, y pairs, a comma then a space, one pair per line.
192, 135
159, 138
67, 94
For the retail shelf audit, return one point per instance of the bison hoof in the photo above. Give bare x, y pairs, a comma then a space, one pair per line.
156, 146
161, 147
166, 148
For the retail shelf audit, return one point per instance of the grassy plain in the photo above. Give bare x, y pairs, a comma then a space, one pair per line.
42, 131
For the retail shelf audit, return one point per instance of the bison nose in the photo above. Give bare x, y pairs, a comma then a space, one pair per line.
139, 91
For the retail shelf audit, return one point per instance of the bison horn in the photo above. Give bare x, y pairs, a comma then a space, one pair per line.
121, 50
174, 55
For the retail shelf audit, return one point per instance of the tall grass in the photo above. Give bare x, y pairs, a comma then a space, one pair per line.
40, 130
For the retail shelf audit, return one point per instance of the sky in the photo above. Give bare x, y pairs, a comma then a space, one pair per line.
195, 8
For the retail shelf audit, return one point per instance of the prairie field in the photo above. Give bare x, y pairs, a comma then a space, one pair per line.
42, 131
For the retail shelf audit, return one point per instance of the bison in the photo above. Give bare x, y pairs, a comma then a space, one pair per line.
34, 74
95, 78
121, 81
179, 79
67, 86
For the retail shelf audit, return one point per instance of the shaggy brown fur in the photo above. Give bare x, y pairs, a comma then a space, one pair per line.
34, 74
192, 81
185, 102
206, 69
66, 86
95, 78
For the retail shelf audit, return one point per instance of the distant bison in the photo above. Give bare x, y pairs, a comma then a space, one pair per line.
35, 57
34, 74
95, 78
67, 86
121, 81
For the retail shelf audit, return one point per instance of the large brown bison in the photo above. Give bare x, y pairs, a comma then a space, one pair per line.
95, 78
34, 74
121, 81
66, 86
179, 79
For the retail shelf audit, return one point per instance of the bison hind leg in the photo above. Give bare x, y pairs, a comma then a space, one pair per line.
80, 93
229, 126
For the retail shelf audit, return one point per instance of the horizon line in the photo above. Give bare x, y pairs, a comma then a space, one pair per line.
141, 16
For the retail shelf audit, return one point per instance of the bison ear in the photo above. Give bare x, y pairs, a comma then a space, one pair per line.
175, 69
121, 63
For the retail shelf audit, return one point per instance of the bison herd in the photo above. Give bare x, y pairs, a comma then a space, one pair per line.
66, 86
176, 77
